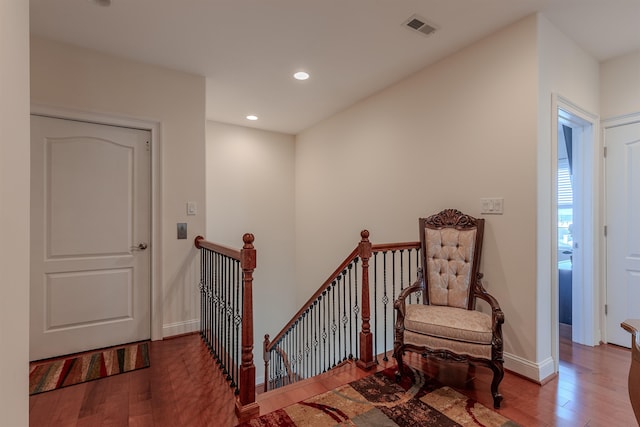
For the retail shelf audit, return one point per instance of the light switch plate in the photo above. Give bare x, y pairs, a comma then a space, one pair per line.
192, 208
492, 205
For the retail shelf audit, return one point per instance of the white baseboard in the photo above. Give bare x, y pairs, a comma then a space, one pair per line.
179, 328
537, 372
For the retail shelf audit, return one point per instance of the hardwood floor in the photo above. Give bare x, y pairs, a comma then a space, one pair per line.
183, 388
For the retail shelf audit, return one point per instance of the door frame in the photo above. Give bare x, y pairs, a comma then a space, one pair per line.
611, 122
153, 126
589, 328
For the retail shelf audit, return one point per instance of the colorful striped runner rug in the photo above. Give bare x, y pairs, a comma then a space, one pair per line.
51, 374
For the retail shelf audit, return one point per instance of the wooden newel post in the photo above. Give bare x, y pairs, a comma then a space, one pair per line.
246, 406
366, 337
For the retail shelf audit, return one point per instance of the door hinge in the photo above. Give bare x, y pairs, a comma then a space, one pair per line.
605, 152
606, 309
605, 231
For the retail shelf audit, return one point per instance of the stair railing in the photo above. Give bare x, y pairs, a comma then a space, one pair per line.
325, 332
226, 317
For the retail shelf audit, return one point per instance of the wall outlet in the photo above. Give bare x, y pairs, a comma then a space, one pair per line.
492, 205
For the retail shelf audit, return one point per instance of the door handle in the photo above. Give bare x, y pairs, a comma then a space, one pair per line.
140, 247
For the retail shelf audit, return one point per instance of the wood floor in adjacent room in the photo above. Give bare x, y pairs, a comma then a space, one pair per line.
183, 388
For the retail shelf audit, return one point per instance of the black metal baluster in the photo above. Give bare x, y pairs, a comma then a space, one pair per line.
212, 304
307, 345
344, 318
211, 296
375, 306
424, 272
217, 322
324, 330
227, 324
225, 317
299, 350
310, 340
220, 320
293, 357
208, 301
409, 275
385, 301
225, 321
303, 346
275, 367
356, 308
296, 351
209, 290
205, 299
229, 319
349, 269
214, 308
334, 324
237, 319
393, 292
230, 315
200, 287
203, 296
316, 341
307, 341
339, 320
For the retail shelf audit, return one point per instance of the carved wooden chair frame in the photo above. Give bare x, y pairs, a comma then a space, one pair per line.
452, 218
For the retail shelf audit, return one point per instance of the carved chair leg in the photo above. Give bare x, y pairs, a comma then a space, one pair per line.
498, 374
398, 353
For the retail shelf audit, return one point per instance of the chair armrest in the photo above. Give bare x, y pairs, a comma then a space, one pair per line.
481, 292
400, 303
633, 327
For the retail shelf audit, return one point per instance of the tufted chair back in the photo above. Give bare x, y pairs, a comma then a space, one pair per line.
451, 246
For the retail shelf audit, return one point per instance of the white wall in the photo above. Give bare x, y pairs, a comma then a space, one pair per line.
14, 213
566, 70
620, 86
250, 188
457, 131
75, 78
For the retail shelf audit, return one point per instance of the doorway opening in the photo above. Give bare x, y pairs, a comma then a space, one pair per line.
575, 187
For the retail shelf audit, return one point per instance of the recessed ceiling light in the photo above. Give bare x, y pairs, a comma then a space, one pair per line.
252, 117
301, 75
105, 3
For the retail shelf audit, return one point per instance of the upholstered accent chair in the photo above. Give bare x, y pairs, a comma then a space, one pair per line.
446, 323
633, 326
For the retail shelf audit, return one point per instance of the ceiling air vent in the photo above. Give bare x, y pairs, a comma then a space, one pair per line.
419, 24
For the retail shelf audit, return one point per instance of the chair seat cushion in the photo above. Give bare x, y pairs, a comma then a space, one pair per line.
452, 323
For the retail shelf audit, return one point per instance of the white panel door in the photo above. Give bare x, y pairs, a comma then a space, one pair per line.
623, 229
90, 236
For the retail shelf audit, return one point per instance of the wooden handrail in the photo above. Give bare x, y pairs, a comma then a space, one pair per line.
201, 243
381, 247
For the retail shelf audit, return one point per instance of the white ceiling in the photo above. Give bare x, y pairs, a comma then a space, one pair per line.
248, 49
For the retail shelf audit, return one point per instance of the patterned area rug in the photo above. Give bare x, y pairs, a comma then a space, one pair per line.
377, 400
53, 374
